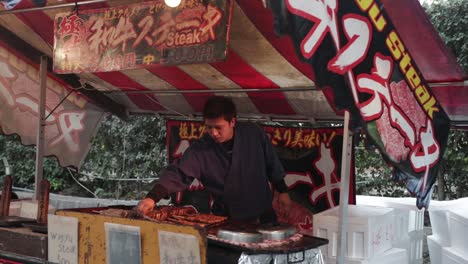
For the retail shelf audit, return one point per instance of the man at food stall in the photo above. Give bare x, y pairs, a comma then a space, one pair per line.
234, 160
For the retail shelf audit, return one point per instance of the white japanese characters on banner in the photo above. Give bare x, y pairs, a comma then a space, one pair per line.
69, 125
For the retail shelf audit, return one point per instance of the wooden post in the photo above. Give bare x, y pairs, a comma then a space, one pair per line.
40, 127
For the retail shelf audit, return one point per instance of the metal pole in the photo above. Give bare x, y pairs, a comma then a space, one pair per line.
40, 127
73, 4
217, 91
344, 190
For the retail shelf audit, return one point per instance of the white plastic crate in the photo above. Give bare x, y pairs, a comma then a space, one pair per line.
453, 256
391, 256
369, 231
435, 249
458, 219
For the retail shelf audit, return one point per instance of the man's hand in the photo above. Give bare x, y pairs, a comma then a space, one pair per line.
284, 203
144, 206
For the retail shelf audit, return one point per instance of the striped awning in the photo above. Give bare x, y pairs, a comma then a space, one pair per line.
262, 71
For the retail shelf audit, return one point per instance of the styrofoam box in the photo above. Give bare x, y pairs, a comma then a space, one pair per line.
29, 209
459, 229
435, 249
391, 256
440, 225
369, 230
453, 256
409, 223
15, 208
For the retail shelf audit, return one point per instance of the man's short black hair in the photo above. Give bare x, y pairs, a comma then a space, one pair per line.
219, 106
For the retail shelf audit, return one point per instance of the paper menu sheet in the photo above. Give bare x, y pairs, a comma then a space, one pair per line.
178, 248
62, 239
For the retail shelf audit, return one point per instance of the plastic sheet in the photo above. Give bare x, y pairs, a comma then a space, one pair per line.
311, 256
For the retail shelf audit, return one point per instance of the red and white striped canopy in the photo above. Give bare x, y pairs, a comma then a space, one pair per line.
257, 59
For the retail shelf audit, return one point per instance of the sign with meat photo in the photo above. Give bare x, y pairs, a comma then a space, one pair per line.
373, 75
141, 35
310, 157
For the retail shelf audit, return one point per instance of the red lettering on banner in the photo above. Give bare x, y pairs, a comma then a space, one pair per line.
161, 33
211, 18
70, 25
104, 37
145, 25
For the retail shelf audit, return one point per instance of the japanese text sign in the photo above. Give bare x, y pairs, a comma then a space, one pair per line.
141, 35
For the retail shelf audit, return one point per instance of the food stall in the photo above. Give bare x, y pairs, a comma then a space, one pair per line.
240, 57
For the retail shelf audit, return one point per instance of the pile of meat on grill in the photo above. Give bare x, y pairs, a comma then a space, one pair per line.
185, 216
172, 214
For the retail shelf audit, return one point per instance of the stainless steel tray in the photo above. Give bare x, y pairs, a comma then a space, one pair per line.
277, 232
240, 236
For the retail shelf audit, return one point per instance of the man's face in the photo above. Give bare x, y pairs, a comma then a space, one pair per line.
220, 129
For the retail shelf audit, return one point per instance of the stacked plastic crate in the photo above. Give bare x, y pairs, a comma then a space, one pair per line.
370, 232
448, 243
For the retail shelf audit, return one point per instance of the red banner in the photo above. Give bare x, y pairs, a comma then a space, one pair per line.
311, 158
69, 125
141, 35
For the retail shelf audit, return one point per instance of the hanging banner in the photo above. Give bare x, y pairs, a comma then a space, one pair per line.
310, 157
141, 35
69, 125
354, 44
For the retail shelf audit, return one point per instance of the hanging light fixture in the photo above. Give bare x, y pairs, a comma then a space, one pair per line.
172, 3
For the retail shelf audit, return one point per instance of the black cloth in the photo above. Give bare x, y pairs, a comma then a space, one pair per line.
239, 184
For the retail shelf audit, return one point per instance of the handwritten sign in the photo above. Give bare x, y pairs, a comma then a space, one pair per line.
178, 248
123, 244
62, 239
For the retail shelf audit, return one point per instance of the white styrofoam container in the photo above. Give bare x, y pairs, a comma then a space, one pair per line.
15, 208
29, 209
458, 219
409, 223
391, 256
440, 225
369, 232
435, 249
453, 256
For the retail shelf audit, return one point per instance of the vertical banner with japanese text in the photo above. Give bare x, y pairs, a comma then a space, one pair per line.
141, 35
69, 125
311, 159
354, 48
